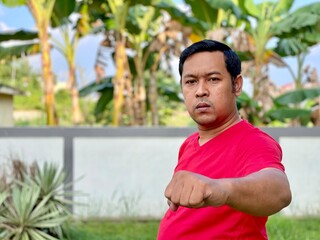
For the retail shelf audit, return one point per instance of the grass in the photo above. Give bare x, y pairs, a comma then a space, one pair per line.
279, 228
283, 228
115, 230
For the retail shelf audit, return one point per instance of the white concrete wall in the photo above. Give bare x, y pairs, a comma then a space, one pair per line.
31, 149
301, 157
126, 176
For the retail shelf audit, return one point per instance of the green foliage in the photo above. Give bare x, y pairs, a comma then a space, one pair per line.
285, 107
18, 35
169, 99
284, 113
290, 47
96, 87
32, 206
19, 74
63, 106
197, 25
292, 105
21, 49
297, 96
61, 10
13, 3
105, 88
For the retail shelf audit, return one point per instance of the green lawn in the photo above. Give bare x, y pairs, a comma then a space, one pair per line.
115, 230
279, 228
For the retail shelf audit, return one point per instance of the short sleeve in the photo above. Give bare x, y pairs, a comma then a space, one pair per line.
260, 151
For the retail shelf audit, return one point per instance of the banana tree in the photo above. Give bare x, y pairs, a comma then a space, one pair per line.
296, 37
114, 16
71, 33
206, 17
141, 21
122, 80
167, 91
271, 20
41, 11
149, 41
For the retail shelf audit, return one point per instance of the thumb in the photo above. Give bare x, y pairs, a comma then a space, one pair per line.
173, 207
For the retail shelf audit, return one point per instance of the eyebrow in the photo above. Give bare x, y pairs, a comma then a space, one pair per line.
206, 75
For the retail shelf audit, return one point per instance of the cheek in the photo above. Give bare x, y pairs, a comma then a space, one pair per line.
186, 97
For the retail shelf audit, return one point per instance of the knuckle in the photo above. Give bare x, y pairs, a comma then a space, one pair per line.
168, 192
193, 202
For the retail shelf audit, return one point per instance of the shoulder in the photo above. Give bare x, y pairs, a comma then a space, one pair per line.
254, 134
259, 149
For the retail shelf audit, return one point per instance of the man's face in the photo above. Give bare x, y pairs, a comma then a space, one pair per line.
207, 89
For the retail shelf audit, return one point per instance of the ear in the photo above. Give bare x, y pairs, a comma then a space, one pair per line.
238, 85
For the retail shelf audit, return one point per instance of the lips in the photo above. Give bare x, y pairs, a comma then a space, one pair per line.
202, 106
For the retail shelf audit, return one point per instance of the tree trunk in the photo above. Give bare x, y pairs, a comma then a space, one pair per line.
122, 96
42, 20
47, 76
77, 116
153, 92
140, 97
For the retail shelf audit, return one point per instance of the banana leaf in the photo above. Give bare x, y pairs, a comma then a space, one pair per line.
18, 50
18, 35
104, 100
282, 114
93, 87
61, 10
188, 21
13, 3
297, 96
245, 101
290, 47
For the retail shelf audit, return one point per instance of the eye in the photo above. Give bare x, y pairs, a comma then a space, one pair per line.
213, 79
190, 81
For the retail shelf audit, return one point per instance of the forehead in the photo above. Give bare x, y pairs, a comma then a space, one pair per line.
204, 61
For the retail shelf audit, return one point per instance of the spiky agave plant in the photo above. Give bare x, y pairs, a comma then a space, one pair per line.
34, 205
51, 181
25, 217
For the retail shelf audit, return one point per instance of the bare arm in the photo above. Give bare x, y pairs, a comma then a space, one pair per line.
261, 194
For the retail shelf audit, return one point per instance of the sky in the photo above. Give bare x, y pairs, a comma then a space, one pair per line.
20, 18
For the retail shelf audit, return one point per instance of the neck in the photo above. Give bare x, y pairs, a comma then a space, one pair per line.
206, 134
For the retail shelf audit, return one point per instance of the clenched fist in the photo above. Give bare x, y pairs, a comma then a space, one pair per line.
193, 190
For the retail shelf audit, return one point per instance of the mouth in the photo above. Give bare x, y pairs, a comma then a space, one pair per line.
202, 106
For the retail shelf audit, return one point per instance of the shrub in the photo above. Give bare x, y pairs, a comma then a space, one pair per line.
33, 205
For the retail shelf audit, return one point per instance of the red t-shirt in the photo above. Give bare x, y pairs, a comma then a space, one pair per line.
240, 150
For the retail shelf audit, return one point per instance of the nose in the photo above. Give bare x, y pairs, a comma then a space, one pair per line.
202, 89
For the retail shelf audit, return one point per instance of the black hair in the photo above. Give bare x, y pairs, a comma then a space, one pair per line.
233, 63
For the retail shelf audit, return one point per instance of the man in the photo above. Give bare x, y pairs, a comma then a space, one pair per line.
229, 177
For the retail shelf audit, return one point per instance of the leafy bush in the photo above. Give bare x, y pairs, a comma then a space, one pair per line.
33, 205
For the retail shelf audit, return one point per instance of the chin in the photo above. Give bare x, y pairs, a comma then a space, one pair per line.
205, 123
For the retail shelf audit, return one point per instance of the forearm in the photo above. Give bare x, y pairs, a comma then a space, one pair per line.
261, 194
